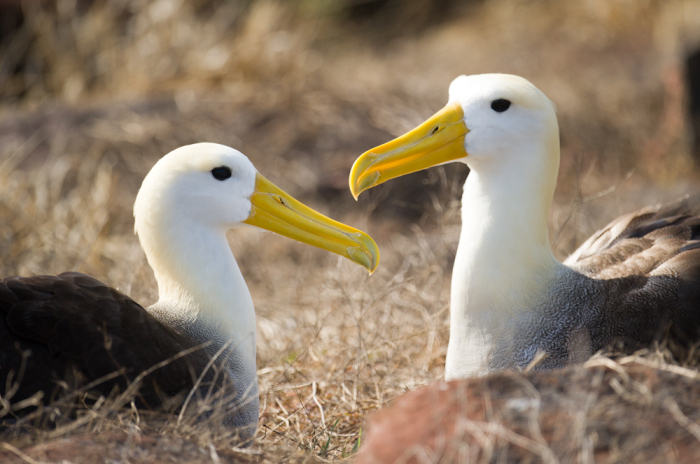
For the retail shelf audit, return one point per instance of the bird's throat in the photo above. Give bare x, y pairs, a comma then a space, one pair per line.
503, 265
201, 285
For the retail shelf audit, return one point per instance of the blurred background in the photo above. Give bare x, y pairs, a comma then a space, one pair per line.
92, 93
308, 85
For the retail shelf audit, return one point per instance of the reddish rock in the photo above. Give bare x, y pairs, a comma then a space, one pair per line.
600, 412
117, 447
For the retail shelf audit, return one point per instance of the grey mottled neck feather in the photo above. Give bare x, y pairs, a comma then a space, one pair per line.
236, 383
634, 282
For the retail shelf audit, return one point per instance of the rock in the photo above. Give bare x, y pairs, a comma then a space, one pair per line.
117, 447
632, 411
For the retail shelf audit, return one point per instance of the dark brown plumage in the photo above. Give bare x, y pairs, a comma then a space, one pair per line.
76, 329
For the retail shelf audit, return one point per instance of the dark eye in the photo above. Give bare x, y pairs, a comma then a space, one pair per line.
221, 173
500, 105
437, 128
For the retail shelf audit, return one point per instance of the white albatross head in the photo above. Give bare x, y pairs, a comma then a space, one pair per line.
204, 183
212, 186
490, 121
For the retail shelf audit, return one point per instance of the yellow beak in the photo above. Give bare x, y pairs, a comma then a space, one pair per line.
274, 210
438, 140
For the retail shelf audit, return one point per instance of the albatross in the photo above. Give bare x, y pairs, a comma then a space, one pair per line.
628, 285
73, 331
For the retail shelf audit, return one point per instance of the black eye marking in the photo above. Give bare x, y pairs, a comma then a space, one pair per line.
500, 105
221, 173
437, 128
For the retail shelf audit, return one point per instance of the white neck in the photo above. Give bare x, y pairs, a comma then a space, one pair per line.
503, 261
199, 282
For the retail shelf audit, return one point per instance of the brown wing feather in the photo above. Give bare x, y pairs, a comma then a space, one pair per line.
650, 260
642, 243
77, 328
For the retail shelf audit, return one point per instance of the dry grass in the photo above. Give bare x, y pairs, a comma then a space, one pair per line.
305, 90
